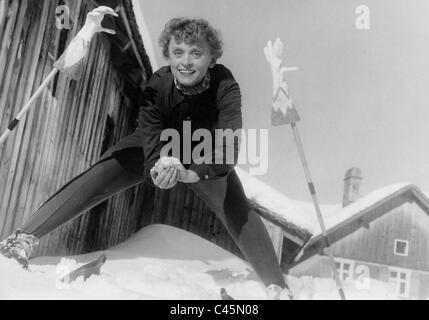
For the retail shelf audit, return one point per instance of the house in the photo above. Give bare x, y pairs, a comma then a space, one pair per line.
383, 235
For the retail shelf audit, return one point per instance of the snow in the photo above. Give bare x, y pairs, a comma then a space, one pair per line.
161, 262
340, 215
144, 32
301, 214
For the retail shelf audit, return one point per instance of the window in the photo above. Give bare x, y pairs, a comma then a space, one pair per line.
401, 279
345, 269
401, 247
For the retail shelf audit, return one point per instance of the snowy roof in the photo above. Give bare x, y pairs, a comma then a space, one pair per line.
134, 14
302, 214
144, 33
361, 211
299, 213
365, 202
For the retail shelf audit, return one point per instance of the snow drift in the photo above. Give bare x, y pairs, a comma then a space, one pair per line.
161, 262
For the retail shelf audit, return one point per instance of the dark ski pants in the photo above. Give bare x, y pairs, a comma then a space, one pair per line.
108, 176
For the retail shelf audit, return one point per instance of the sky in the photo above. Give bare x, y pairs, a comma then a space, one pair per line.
362, 95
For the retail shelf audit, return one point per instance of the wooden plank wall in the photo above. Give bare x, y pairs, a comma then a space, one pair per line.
376, 244
63, 133
181, 208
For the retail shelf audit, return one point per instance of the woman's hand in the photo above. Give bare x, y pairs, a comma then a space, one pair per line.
189, 176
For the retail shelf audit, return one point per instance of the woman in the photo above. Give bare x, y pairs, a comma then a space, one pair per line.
192, 88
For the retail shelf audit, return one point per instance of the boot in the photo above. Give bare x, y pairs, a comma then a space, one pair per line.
19, 246
275, 292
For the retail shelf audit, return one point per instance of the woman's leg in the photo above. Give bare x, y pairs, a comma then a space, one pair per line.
88, 189
227, 199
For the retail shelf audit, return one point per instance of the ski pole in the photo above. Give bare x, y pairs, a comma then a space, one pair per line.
71, 61
284, 112
13, 124
317, 207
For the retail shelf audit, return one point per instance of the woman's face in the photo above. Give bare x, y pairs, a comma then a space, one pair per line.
189, 62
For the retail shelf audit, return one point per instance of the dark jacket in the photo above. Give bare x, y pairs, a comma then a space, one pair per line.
164, 106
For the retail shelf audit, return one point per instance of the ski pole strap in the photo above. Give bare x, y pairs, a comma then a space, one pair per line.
327, 242
312, 189
13, 124
342, 295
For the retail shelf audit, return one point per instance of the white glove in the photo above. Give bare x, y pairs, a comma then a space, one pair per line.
73, 58
93, 23
281, 99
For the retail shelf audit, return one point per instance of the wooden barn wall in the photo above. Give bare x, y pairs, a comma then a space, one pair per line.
181, 208
63, 133
376, 244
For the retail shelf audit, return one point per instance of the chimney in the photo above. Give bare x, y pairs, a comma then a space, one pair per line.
352, 182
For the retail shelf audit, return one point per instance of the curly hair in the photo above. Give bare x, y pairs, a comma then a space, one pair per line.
191, 31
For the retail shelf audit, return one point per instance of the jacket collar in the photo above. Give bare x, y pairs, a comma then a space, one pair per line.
178, 96
197, 89
169, 87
